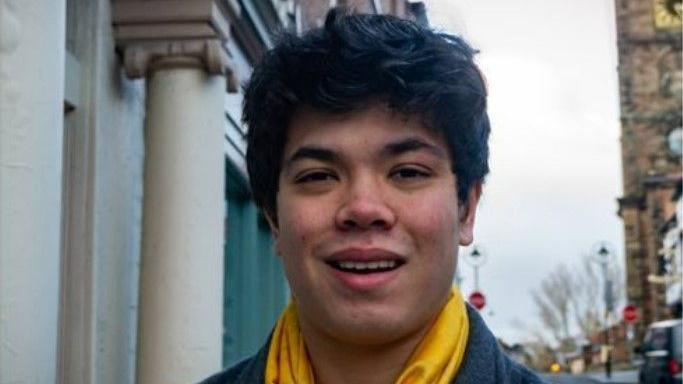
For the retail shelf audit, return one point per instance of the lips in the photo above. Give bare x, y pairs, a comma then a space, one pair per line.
365, 269
364, 261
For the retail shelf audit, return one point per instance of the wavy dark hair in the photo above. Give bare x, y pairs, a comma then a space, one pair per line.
356, 60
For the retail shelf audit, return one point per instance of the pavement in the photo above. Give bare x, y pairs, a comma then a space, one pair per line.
626, 377
566, 378
619, 377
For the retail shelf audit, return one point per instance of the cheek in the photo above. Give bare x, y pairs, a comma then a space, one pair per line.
433, 226
301, 229
436, 219
298, 226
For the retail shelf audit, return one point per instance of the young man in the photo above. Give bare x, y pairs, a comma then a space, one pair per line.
367, 149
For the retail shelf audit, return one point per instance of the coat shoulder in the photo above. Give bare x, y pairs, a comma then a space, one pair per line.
486, 363
247, 371
229, 376
520, 374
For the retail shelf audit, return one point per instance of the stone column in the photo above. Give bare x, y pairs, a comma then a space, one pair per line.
178, 47
31, 134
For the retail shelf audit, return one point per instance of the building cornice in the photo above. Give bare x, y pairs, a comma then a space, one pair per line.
161, 34
661, 181
631, 201
637, 201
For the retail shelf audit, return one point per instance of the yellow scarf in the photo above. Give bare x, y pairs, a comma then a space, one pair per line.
435, 360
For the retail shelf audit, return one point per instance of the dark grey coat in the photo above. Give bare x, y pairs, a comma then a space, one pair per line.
484, 362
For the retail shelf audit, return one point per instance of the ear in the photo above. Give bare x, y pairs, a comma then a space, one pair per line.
467, 215
274, 230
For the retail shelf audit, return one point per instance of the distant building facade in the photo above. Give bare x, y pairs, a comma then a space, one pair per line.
671, 255
650, 83
130, 248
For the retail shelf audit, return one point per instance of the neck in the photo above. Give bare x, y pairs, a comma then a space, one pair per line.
336, 362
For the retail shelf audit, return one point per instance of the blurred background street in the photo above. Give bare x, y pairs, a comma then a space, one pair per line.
621, 377
131, 249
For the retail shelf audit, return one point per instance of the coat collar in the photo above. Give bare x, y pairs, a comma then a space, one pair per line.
484, 363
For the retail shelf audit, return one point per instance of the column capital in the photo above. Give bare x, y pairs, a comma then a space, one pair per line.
160, 34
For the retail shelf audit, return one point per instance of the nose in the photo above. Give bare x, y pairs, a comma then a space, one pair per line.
365, 207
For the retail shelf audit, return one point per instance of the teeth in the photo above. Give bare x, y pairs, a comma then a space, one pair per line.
385, 264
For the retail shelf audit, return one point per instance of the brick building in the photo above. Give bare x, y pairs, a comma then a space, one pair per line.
649, 48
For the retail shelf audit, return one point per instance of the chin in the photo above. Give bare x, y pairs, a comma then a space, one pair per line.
365, 329
368, 335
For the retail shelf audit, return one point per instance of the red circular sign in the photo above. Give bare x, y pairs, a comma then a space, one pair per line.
630, 313
477, 299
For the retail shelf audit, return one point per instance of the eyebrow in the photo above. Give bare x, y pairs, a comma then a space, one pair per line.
396, 148
411, 144
314, 153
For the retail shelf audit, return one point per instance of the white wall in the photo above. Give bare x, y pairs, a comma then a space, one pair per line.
31, 96
104, 199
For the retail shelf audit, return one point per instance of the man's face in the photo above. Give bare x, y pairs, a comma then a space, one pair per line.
368, 224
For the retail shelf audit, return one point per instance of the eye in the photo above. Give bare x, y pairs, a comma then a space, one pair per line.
407, 173
315, 176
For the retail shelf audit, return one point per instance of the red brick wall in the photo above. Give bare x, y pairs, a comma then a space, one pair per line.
650, 85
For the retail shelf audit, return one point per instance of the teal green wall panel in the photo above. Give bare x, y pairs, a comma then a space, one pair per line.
255, 288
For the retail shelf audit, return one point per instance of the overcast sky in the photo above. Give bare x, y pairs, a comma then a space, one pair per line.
555, 160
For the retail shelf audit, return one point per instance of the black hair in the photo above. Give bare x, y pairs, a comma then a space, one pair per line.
356, 60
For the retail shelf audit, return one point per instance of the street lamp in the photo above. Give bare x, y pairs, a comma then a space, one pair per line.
476, 258
602, 255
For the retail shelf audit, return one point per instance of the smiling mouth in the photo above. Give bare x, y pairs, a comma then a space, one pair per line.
366, 267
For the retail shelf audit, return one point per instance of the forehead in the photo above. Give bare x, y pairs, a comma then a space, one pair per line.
375, 125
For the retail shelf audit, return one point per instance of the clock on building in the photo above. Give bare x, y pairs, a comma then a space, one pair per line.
668, 13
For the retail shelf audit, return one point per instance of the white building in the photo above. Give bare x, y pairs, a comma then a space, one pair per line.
119, 126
